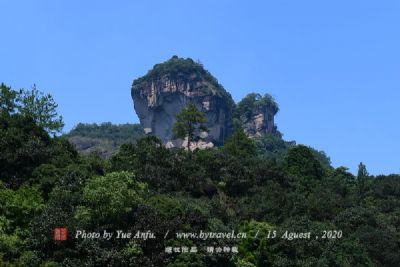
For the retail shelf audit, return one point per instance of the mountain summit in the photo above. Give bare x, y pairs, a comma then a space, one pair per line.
170, 86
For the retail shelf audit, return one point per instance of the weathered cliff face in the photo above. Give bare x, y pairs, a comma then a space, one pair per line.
169, 87
260, 123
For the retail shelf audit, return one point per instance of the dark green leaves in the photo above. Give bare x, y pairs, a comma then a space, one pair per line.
189, 123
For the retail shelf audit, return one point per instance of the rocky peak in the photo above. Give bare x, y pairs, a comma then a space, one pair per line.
167, 88
255, 114
170, 86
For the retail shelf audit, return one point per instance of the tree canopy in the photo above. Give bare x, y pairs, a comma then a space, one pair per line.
34, 104
261, 188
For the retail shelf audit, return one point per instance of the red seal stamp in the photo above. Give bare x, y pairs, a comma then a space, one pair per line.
60, 234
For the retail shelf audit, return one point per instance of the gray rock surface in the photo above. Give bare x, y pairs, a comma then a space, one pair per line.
260, 122
159, 98
170, 86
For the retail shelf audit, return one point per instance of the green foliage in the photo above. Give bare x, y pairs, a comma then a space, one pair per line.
26, 118
125, 160
239, 145
105, 206
301, 162
8, 99
322, 157
375, 236
105, 138
119, 133
184, 260
253, 249
177, 68
132, 253
363, 181
184, 70
23, 146
20, 205
252, 103
188, 123
42, 108
148, 159
344, 252
17, 208
249, 186
272, 146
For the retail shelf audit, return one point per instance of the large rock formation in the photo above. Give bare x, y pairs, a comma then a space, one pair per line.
170, 86
255, 114
166, 89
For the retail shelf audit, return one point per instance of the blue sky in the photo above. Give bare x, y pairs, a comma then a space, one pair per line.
333, 66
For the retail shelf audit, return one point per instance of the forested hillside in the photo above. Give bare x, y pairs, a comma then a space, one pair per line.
262, 188
104, 138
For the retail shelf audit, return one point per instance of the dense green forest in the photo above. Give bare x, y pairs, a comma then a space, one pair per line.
260, 187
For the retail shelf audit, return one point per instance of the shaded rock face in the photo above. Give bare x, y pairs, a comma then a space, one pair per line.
255, 115
260, 123
160, 95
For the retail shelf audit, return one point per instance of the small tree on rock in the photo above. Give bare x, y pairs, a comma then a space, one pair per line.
188, 123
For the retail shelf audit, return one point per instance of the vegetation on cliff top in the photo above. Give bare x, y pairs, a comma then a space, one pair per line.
252, 103
186, 70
